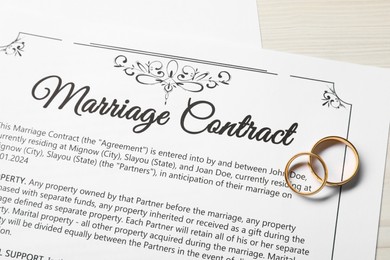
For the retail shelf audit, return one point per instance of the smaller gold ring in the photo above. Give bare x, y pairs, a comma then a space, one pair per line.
348, 144
287, 173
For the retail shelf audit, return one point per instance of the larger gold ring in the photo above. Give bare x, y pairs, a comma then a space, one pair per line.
287, 173
347, 143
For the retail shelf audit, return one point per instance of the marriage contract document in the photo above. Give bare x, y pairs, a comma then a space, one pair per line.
150, 151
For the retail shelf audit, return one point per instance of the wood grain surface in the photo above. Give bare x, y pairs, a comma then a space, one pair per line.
356, 31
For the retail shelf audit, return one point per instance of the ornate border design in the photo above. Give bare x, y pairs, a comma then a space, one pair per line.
329, 96
14, 48
332, 100
171, 76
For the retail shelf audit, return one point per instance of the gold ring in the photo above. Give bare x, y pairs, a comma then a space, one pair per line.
347, 143
287, 173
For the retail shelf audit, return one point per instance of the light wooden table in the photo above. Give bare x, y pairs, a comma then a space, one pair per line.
356, 31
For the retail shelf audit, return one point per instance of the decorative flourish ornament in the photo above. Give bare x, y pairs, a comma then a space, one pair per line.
14, 48
171, 76
331, 99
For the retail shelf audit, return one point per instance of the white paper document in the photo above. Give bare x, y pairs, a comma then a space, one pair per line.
145, 151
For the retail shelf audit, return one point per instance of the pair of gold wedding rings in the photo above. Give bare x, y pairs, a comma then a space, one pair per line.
313, 155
